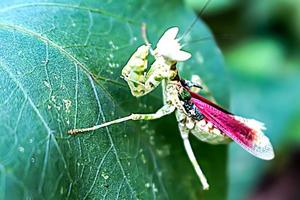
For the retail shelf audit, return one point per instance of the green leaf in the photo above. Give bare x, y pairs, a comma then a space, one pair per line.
60, 66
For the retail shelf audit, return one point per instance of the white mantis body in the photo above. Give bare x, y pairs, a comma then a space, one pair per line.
207, 121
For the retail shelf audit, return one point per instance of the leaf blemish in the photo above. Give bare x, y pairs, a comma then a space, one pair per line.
47, 84
113, 46
67, 105
21, 149
154, 188
53, 98
143, 159
104, 175
147, 185
199, 57
164, 151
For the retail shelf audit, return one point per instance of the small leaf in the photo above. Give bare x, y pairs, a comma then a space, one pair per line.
60, 66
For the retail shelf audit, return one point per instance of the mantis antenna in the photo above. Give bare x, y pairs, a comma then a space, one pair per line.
197, 41
188, 30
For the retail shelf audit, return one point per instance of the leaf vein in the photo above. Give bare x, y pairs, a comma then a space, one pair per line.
2, 182
70, 6
45, 163
97, 172
119, 189
58, 47
158, 173
76, 95
38, 113
110, 138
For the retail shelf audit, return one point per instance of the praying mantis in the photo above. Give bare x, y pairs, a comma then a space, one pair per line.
195, 114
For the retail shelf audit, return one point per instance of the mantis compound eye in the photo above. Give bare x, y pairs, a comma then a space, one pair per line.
184, 95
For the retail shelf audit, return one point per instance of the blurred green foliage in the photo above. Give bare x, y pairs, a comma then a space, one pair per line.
263, 57
214, 6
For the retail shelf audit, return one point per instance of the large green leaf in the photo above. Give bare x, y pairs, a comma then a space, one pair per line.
60, 63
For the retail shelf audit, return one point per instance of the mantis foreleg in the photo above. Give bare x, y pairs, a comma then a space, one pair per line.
141, 81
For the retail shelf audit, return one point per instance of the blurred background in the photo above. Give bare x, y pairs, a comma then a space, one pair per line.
261, 44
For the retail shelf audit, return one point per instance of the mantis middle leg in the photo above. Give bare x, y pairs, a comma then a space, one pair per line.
165, 110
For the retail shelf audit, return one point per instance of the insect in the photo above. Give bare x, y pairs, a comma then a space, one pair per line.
195, 114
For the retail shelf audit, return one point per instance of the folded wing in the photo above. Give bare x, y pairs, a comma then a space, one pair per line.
248, 133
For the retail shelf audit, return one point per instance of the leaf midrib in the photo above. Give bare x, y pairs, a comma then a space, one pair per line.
58, 47
90, 76
70, 6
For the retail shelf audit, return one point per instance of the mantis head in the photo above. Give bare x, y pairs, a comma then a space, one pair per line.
169, 47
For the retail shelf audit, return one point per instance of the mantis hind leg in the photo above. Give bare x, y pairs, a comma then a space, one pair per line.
184, 131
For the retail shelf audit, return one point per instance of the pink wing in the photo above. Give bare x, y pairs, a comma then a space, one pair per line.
248, 133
